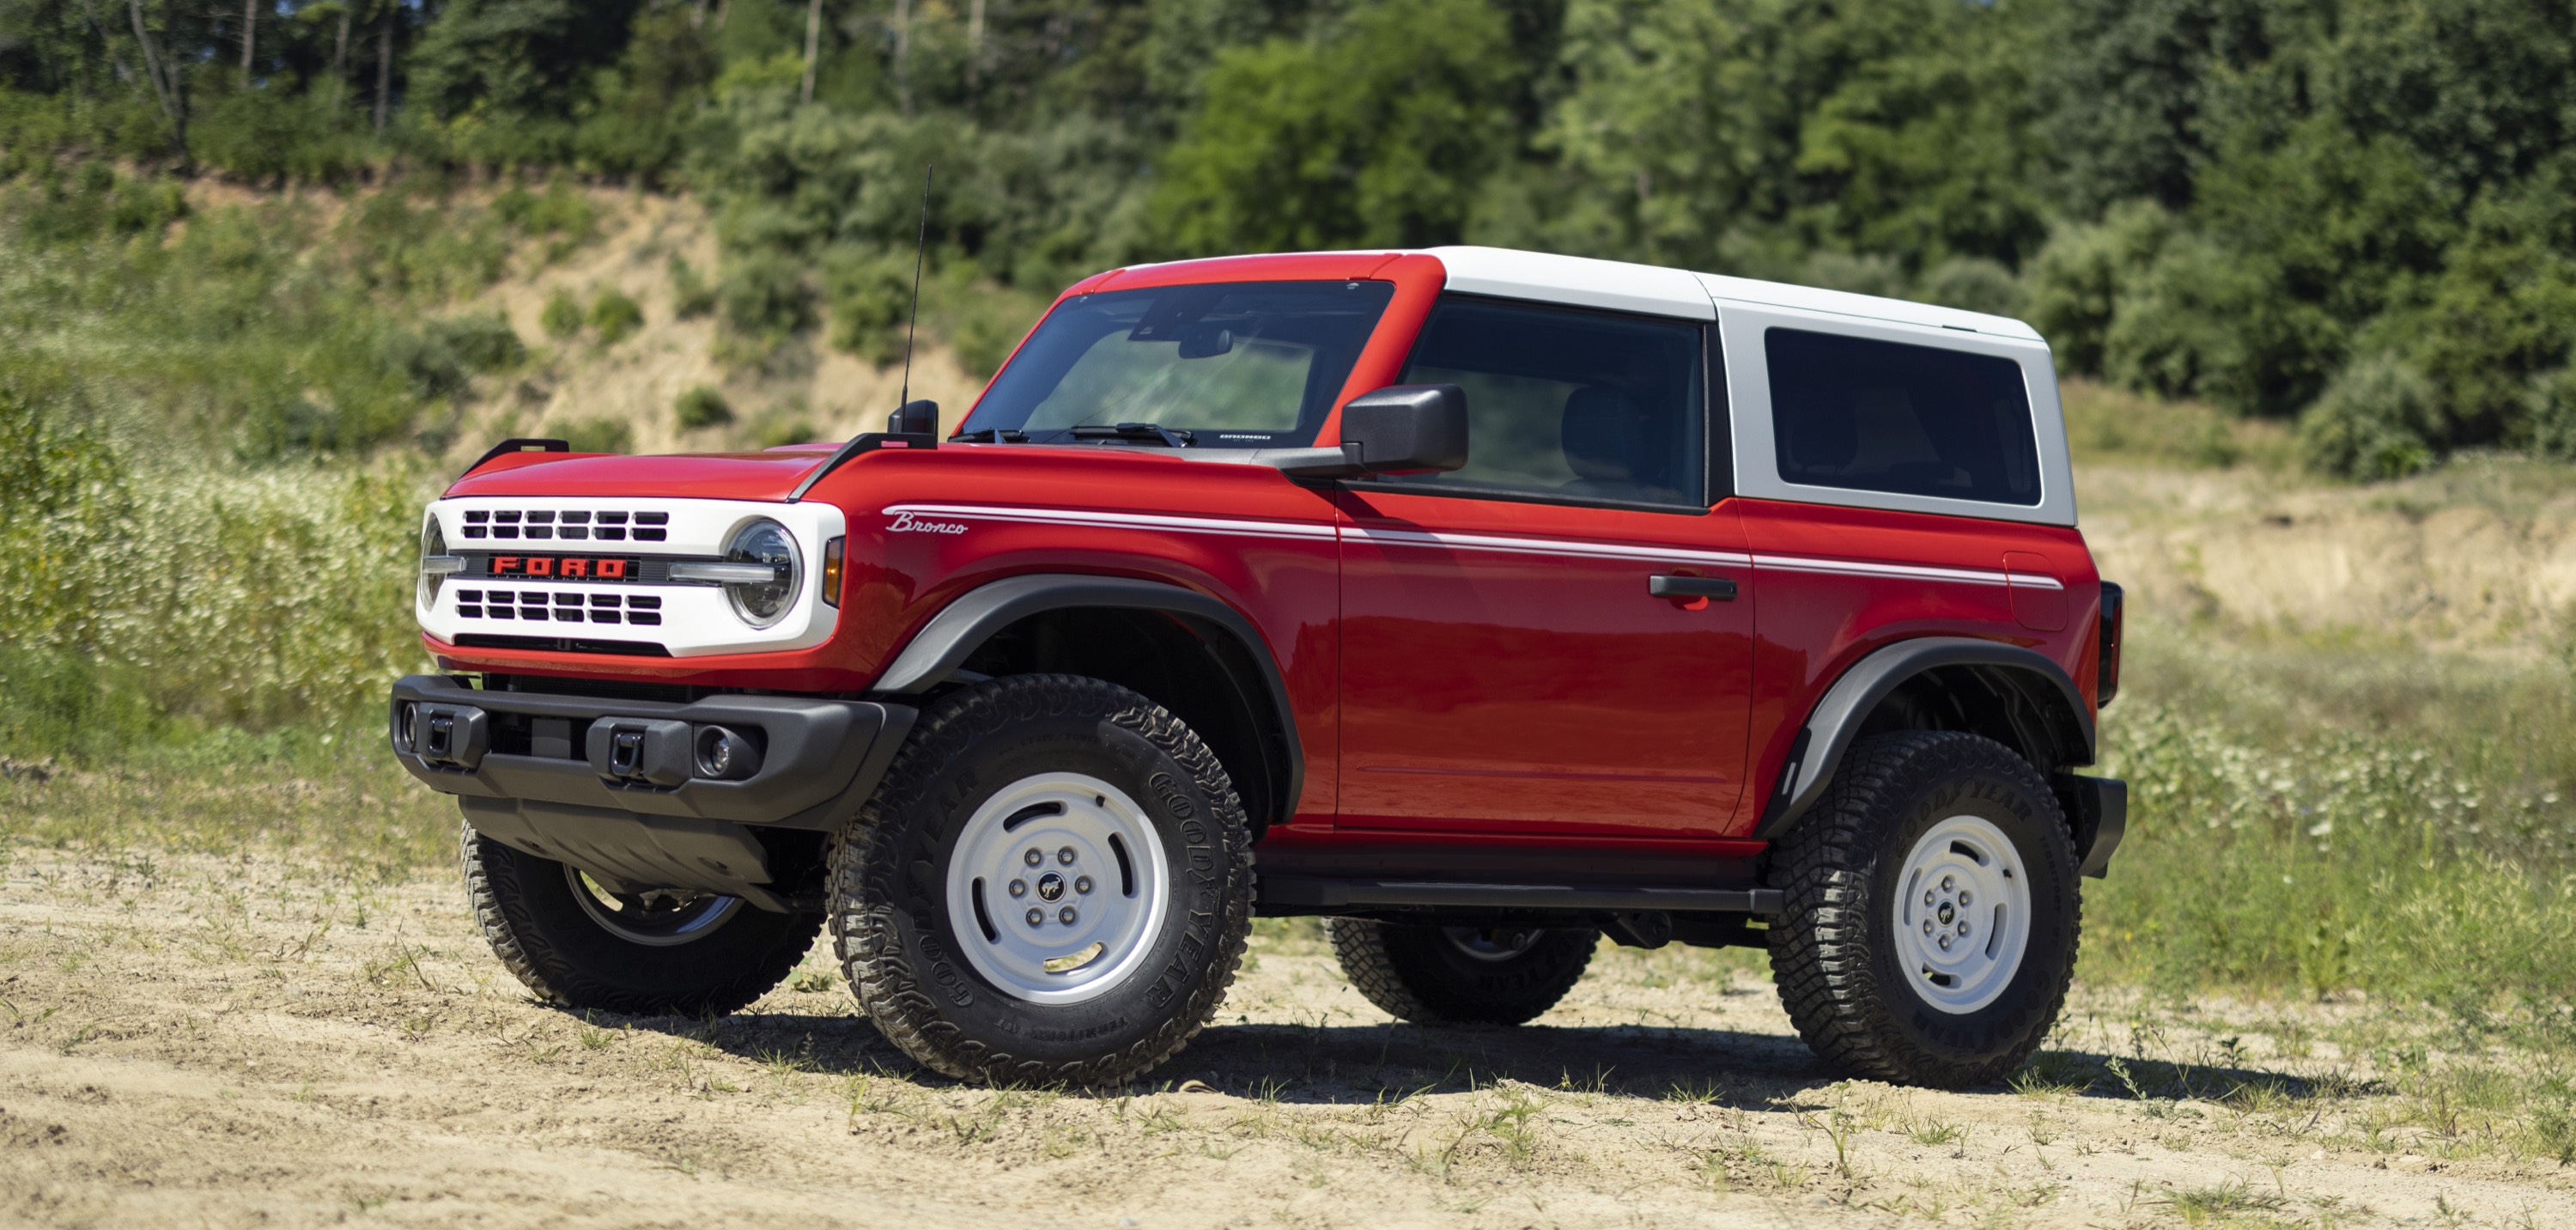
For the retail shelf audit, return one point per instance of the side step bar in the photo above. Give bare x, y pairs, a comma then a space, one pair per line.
1306, 894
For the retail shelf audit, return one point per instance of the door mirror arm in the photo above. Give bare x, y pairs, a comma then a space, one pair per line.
1400, 429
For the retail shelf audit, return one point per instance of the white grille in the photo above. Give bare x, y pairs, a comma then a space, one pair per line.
632, 600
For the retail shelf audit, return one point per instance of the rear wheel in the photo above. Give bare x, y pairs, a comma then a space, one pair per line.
1460, 975
578, 944
1931, 912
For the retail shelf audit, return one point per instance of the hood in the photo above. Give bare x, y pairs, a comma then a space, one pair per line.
707, 476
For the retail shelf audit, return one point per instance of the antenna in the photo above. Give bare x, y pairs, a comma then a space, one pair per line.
919, 246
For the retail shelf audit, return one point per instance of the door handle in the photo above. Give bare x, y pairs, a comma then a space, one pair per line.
1670, 586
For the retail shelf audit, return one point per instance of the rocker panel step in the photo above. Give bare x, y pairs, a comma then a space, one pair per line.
1313, 893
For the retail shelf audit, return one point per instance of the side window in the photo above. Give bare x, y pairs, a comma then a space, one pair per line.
1869, 415
1560, 402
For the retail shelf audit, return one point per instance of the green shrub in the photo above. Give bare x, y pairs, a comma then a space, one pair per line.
562, 316
702, 407
2075, 281
2378, 420
1975, 284
764, 297
615, 316
440, 358
1860, 274
597, 435
986, 322
482, 341
794, 429
270, 601
2551, 405
870, 295
561, 215
691, 297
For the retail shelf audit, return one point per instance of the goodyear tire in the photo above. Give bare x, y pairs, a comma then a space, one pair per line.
578, 945
1052, 886
1931, 912
1460, 975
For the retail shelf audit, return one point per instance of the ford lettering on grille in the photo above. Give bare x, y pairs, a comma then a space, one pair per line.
565, 567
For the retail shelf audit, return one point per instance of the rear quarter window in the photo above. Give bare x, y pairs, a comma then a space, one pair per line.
1869, 415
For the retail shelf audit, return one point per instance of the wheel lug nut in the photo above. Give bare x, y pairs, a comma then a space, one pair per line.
1082, 884
1033, 858
1945, 943
1948, 883
1963, 927
1065, 916
1964, 898
1065, 856
1037, 918
1019, 888
1927, 926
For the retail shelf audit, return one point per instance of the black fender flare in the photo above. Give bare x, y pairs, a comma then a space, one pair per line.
942, 646
1817, 753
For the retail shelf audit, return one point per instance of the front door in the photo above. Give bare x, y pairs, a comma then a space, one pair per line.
1508, 662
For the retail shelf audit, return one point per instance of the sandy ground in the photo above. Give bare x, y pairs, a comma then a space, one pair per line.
249, 1041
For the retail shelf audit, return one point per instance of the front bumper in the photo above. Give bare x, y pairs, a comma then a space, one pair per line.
615, 787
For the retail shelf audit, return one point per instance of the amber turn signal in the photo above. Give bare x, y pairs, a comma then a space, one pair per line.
832, 573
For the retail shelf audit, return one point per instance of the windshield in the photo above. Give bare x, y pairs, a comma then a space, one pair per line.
1226, 365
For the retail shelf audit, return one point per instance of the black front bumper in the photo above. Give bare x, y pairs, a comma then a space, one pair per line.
615, 788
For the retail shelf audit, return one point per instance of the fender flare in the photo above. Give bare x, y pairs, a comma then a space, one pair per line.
1818, 751
942, 646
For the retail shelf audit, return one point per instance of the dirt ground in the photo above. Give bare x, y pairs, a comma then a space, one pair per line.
251, 1041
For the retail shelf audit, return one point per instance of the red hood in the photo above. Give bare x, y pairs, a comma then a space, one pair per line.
706, 476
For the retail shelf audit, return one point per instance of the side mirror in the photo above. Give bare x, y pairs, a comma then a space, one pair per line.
1407, 427
914, 418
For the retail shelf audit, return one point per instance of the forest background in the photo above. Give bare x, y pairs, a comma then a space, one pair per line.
2359, 214
271, 271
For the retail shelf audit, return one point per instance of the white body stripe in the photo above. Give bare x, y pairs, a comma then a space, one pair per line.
1553, 546
1120, 520
1468, 542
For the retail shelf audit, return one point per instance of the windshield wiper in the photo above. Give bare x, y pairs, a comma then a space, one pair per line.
992, 435
1173, 437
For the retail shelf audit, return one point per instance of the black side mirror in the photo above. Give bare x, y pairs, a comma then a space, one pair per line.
1407, 427
914, 418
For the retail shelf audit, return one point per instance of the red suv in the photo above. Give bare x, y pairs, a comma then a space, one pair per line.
1483, 603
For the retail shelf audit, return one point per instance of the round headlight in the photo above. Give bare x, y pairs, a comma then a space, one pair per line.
433, 545
763, 603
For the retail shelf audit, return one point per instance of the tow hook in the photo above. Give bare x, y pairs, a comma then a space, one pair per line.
444, 736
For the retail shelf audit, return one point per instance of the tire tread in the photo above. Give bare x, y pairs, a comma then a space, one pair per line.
865, 938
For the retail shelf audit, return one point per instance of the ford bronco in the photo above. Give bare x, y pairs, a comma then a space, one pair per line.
1481, 603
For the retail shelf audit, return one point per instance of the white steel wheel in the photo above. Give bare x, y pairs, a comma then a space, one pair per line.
656, 919
1057, 888
1963, 914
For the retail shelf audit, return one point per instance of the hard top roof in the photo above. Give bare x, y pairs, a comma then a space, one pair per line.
1648, 288
1622, 286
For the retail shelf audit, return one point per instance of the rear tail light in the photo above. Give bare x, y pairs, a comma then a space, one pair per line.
2107, 681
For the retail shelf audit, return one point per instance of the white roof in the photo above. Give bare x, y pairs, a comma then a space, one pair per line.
1621, 286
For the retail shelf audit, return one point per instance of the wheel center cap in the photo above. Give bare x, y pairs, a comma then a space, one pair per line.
1050, 886
1947, 914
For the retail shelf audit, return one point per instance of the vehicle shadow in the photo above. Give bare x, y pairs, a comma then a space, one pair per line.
1345, 1063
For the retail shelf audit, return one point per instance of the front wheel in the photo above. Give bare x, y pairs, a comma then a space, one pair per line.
576, 943
1931, 912
1054, 884
1433, 975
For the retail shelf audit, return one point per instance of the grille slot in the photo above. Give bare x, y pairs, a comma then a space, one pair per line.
567, 524
538, 607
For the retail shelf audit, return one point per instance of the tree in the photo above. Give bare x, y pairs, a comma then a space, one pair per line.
1378, 132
